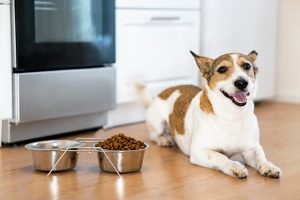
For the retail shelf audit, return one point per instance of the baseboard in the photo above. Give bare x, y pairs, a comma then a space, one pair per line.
288, 98
12, 133
126, 113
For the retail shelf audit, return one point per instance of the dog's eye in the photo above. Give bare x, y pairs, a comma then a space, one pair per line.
222, 70
246, 66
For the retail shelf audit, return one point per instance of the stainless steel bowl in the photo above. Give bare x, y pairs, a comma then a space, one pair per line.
46, 153
125, 161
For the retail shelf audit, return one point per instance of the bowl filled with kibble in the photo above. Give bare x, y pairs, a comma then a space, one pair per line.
124, 152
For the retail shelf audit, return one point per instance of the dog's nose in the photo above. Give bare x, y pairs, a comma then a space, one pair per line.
241, 84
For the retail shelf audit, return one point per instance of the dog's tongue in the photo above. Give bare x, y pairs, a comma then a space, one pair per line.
240, 97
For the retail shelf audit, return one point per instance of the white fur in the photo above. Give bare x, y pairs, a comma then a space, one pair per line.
211, 139
157, 113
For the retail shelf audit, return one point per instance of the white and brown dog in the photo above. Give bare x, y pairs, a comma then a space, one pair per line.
213, 123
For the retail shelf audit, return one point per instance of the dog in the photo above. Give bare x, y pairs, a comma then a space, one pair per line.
212, 124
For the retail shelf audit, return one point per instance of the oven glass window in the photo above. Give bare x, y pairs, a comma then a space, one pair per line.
67, 20
59, 34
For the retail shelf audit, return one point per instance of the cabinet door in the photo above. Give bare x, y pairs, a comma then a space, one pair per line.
5, 64
153, 46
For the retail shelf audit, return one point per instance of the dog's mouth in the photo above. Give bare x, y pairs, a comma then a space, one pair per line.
238, 98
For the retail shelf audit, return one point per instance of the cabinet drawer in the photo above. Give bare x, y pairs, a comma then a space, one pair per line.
153, 46
160, 4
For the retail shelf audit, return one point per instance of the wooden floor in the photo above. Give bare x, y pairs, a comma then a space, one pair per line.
166, 173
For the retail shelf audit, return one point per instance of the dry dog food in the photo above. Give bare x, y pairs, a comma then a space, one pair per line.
121, 142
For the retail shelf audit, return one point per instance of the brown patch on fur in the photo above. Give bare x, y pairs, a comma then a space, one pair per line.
215, 77
205, 103
204, 64
244, 59
252, 56
167, 92
176, 118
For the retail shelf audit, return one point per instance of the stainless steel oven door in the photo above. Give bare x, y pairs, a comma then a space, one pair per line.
49, 95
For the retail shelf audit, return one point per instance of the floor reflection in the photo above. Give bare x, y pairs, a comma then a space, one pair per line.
54, 187
120, 188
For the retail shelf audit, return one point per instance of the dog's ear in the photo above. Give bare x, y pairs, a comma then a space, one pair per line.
204, 64
252, 56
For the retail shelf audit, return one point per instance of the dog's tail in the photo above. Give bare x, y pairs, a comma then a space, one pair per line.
143, 96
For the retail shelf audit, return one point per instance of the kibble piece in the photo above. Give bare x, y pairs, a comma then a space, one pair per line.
121, 142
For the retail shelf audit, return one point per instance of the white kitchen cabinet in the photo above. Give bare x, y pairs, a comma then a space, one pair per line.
158, 4
153, 47
153, 43
5, 62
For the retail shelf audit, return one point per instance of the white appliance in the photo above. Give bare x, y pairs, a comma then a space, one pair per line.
153, 42
5, 62
243, 26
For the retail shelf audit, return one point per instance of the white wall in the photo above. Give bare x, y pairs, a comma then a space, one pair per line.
288, 83
228, 27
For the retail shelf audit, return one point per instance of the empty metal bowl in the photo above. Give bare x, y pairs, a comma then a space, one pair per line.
125, 161
46, 153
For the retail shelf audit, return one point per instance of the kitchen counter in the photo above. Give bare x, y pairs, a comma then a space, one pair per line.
166, 173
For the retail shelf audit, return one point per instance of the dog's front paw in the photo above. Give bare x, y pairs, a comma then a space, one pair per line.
238, 170
269, 169
165, 141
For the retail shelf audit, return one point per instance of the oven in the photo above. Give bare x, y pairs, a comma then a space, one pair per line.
63, 78
63, 34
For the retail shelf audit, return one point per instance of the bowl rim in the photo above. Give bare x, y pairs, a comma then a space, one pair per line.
122, 151
29, 145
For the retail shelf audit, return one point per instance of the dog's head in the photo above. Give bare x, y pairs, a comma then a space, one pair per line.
232, 76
